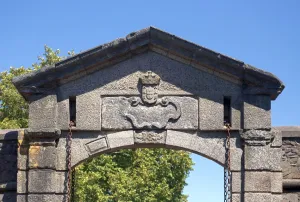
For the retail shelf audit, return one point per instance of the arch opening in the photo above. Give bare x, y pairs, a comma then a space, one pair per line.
124, 166
208, 144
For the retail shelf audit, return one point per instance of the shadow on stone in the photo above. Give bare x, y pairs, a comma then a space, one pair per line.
8, 165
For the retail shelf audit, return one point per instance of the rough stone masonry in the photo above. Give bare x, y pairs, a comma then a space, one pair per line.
150, 89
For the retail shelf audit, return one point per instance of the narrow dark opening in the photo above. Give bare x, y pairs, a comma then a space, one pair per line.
72, 112
227, 110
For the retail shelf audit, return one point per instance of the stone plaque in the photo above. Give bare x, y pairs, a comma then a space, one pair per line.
96, 145
150, 111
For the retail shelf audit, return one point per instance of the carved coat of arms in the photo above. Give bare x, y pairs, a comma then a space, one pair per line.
150, 111
150, 83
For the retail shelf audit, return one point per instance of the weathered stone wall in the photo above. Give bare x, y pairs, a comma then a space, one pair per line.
290, 163
257, 181
8, 165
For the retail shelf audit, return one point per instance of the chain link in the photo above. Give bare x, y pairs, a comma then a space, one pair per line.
69, 145
73, 185
227, 171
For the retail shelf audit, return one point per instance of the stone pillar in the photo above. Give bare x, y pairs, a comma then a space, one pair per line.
262, 177
38, 178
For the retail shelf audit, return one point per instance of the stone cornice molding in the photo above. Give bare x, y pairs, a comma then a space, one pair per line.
42, 136
257, 137
256, 81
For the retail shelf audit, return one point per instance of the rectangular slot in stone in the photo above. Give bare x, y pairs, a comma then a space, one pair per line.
227, 110
72, 110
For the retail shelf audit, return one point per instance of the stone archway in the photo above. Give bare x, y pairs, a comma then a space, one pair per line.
209, 145
150, 89
46, 160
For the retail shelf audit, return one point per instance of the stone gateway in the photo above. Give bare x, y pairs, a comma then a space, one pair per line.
150, 89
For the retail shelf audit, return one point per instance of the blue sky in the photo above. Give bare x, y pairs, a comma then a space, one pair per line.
261, 33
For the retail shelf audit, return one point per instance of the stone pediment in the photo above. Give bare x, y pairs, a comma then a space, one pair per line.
254, 81
152, 89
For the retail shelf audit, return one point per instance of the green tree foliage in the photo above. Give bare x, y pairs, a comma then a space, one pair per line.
13, 108
140, 175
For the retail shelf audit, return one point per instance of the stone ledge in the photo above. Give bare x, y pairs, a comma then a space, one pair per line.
42, 133
43, 136
289, 131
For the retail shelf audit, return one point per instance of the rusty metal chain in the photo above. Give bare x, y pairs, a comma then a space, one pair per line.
227, 171
69, 144
73, 185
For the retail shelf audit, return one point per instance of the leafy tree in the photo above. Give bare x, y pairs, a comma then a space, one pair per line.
140, 175
13, 108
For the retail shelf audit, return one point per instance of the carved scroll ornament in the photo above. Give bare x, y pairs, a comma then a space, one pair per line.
149, 111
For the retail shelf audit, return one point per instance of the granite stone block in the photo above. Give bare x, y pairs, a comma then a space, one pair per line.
88, 111
61, 155
61, 182
211, 112
46, 197
276, 198
236, 197
258, 197
36, 185
22, 182
42, 112
120, 139
290, 197
42, 157
23, 157
236, 182
63, 117
277, 142
257, 112
276, 186
258, 181
21, 198
79, 152
262, 158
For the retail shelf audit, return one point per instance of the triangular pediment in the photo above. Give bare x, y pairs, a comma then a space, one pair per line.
255, 81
